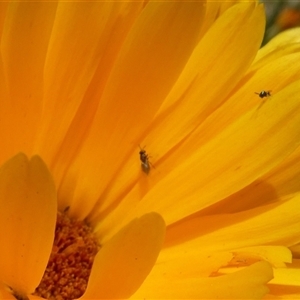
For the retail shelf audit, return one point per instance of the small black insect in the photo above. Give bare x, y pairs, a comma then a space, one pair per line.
144, 157
264, 94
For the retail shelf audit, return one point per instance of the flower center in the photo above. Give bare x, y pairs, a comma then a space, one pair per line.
71, 260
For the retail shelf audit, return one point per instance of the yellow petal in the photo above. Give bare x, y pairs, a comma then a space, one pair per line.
28, 216
241, 153
95, 33
274, 75
196, 94
263, 225
124, 262
163, 36
285, 177
295, 249
84, 42
282, 44
222, 166
249, 283
283, 292
276, 185
286, 284
191, 260
277, 256
288, 276
24, 42
5, 293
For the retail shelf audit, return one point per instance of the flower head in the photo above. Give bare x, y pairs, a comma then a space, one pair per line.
156, 170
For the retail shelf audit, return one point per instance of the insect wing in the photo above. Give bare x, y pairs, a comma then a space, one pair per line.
145, 167
145, 163
264, 94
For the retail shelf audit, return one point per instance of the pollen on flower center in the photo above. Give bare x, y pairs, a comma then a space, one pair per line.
70, 263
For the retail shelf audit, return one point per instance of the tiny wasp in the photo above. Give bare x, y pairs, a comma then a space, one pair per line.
144, 157
264, 94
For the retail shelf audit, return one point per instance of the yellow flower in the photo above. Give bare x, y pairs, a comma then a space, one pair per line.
144, 126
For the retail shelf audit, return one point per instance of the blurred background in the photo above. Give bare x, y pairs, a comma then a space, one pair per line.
281, 15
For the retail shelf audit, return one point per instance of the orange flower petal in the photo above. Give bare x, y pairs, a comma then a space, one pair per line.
283, 292
249, 283
5, 292
263, 225
277, 184
275, 76
284, 178
95, 33
222, 166
277, 256
28, 216
282, 44
124, 262
156, 39
288, 276
186, 98
198, 78
191, 260
188, 260
295, 249
24, 42
230, 160
285, 284
84, 42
